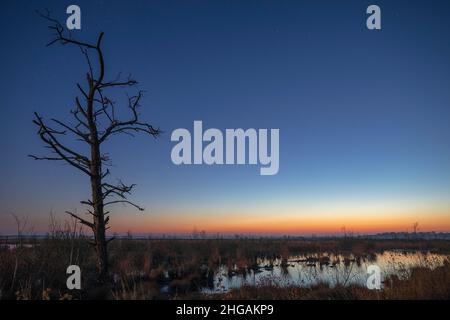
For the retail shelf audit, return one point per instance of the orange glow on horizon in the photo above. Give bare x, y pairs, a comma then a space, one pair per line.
283, 223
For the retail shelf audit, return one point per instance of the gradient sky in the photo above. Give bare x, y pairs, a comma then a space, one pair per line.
363, 115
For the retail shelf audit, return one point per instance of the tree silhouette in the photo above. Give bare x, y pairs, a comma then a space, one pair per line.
415, 227
94, 122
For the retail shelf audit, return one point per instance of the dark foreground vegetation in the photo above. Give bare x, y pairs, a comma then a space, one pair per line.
140, 269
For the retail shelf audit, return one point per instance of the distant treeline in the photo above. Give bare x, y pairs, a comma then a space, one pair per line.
432, 235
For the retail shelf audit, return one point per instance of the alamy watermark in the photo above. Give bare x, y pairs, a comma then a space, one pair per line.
374, 279
235, 146
74, 280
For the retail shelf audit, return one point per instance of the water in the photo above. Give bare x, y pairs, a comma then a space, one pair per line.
324, 268
11, 246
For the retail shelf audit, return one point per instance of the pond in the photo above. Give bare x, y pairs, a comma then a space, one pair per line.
327, 268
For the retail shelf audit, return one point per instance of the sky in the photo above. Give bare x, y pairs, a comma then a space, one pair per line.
363, 114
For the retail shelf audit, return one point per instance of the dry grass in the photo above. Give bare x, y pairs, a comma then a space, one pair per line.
140, 268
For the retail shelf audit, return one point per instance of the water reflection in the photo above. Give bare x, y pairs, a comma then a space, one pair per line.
327, 268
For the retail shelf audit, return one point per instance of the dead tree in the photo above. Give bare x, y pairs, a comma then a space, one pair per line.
94, 122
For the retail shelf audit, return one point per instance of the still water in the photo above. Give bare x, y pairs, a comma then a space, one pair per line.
324, 268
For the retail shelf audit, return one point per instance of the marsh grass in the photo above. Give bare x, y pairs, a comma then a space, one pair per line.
178, 269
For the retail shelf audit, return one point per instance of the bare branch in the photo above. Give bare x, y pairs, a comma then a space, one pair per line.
131, 125
82, 135
87, 223
127, 83
57, 27
124, 201
82, 91
70, 156
88, 60
120, 190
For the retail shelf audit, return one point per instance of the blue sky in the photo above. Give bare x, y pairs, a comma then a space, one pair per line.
363, 115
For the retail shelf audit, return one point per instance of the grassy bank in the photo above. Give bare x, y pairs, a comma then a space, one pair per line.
140, 268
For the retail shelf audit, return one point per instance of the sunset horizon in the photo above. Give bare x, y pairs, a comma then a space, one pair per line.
231, 150
324, 222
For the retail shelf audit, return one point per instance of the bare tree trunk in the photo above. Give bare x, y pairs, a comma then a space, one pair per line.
99, 228
88, 129
99, 217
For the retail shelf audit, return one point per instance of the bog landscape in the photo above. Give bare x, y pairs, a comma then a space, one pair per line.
225, 150
199, 267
